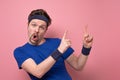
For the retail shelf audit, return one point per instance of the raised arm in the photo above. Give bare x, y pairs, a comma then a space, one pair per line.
78, 62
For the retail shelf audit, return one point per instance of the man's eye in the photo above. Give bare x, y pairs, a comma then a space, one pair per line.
34, 25
42, 27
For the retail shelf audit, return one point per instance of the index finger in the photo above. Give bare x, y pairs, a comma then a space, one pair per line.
64, 35
86, 29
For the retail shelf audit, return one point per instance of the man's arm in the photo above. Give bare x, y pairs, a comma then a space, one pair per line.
78, 62
39, 70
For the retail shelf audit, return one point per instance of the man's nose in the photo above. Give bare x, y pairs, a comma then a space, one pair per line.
37, 29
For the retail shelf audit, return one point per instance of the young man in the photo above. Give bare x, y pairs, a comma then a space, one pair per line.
43, 58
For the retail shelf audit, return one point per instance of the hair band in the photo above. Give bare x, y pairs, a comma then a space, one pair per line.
40, 17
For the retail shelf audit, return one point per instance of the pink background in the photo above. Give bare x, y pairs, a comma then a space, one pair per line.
102, 17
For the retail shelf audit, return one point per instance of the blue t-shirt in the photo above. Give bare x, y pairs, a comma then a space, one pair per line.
40, 53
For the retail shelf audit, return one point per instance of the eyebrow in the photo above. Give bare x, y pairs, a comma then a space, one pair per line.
33, 22
39, 25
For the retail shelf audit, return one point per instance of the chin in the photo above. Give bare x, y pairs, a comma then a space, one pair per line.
34, 42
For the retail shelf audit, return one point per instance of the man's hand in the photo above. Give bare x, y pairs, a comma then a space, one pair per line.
65, 43
87, 38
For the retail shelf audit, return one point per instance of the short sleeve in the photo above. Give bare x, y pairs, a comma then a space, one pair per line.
20, 56
68, 53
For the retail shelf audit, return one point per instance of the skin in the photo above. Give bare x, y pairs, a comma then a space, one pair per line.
38, 28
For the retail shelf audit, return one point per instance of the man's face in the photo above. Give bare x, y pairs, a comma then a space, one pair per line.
36, 30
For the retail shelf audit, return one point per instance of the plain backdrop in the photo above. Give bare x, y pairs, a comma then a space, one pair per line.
102, 17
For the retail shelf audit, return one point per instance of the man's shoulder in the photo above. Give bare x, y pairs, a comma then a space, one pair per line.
21, 47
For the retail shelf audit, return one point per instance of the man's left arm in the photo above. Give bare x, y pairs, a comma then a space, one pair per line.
78, 62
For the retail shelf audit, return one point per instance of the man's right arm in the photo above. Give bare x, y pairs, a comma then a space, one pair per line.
39, 70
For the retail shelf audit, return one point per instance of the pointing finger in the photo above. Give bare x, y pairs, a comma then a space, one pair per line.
86, 29
65, 33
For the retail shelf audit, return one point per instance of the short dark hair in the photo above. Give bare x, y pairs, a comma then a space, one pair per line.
41, 12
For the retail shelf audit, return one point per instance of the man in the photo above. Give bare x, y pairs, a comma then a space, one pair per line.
43, 58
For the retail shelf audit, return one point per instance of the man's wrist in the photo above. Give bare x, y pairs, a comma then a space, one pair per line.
60, 50
86, 51
56, 54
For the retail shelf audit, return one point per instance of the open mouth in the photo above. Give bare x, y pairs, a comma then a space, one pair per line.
35, 37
